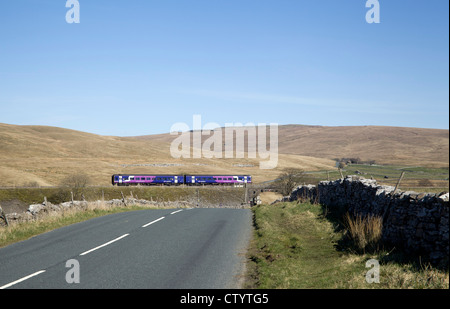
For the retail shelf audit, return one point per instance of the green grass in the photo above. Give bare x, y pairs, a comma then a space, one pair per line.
294, 247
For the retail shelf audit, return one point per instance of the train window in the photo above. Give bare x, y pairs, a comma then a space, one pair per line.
229, 178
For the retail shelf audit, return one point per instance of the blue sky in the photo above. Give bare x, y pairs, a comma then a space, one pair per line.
137, 67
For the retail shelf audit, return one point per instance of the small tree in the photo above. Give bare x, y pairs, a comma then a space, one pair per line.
289, 179
76, 183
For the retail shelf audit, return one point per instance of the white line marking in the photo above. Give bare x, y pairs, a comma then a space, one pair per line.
172, 213
153, 222
20, 280
108, 243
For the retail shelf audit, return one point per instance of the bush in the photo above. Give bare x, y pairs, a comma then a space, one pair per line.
77, 184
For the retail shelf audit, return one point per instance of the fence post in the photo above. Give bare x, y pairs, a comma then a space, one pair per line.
198, 198
123, 199
3, 215
398, 183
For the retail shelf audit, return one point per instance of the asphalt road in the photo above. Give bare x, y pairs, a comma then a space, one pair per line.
148, 249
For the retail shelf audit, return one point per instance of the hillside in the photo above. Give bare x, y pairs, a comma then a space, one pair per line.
385, 145
39, 155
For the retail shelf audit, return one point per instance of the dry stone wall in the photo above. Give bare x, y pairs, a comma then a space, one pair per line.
415, 222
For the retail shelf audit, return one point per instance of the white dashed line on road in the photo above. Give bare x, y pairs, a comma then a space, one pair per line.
105, 244
153, 222
23, 279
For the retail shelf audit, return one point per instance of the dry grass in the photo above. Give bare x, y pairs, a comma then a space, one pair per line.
365, 232
270, 197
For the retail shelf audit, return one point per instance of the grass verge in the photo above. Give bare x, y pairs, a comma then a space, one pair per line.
25, 230
295, 247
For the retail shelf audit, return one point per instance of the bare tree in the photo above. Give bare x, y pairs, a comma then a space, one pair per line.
76, 183
289, 179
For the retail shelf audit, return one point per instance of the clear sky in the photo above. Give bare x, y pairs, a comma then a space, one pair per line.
136, 67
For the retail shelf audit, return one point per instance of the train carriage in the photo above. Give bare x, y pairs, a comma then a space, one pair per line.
217, 179
147, 180
173, 180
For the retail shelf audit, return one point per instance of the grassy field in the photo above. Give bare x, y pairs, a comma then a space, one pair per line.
295, 247
421, 179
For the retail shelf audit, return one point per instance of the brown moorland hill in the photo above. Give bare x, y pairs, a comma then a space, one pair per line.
44, 156
385, 145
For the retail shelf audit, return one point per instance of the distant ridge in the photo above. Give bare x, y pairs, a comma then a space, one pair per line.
385, 145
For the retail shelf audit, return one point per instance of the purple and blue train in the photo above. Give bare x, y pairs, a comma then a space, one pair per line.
174, 180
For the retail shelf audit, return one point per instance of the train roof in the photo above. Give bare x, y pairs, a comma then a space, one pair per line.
137, 174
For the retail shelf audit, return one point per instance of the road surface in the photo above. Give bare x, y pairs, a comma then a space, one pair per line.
147, 249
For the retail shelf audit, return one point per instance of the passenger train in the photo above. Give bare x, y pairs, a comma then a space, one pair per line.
174, 180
